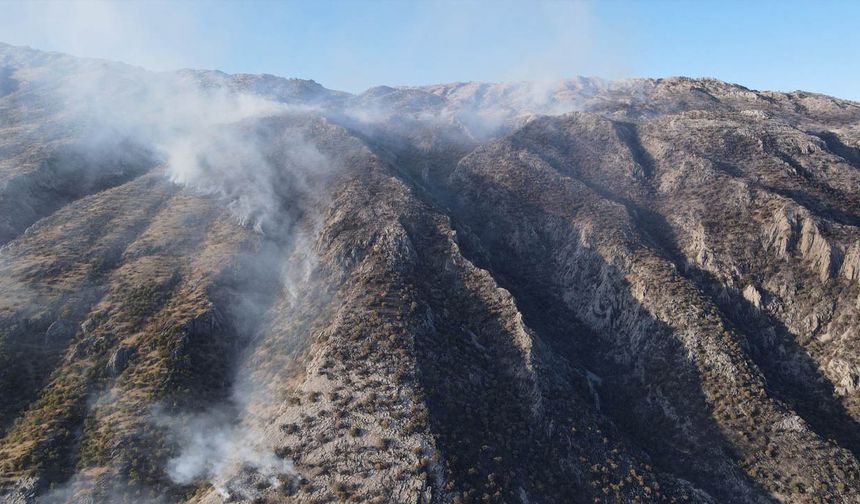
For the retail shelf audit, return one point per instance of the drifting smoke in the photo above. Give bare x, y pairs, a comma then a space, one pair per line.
253, 155
250, 153
112, 491
477, 111
258, 168
207, 137
214, 448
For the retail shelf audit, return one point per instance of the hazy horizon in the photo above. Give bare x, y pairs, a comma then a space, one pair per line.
354, 46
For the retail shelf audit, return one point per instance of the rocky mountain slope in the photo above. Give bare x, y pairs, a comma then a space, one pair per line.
239, 288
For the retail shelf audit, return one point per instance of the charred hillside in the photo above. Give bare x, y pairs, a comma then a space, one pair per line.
238, 288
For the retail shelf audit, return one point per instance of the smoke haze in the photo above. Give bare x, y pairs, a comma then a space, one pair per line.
254, 156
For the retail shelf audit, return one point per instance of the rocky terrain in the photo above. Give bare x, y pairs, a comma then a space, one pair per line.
243, 288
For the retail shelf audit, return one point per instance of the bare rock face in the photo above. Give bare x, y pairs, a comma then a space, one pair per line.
851, 264
119, 360
797, 232
752, 295
823, 256
846, 376
592, 291
781, 234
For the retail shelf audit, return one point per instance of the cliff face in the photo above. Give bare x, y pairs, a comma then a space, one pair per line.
628, 291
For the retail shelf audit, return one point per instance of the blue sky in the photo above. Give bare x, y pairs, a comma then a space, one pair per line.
353, 44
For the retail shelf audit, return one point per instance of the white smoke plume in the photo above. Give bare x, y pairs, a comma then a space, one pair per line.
204, 136
215, 448
251, 154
